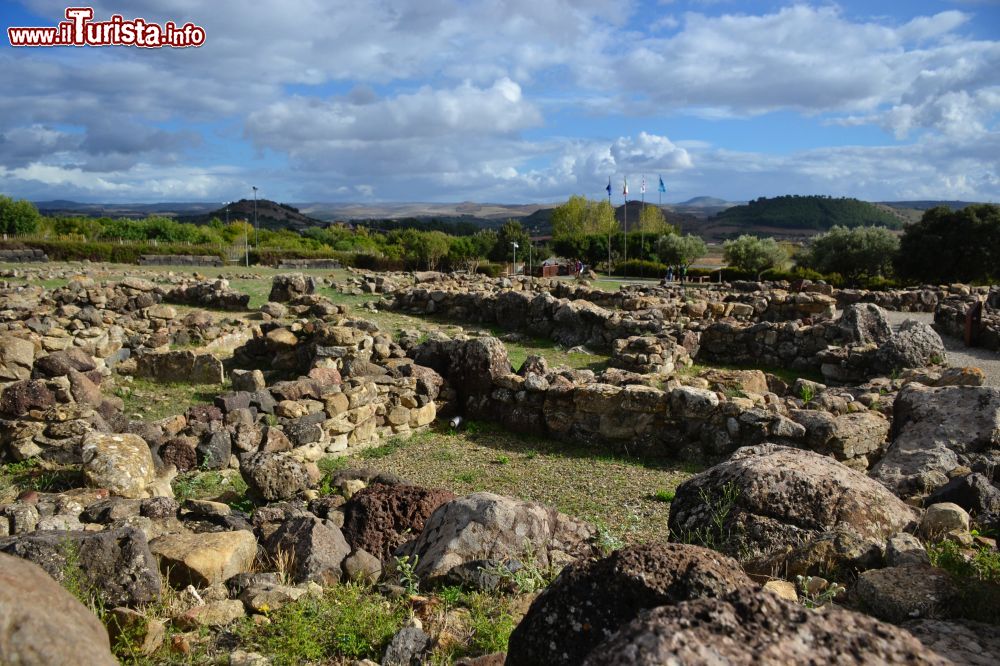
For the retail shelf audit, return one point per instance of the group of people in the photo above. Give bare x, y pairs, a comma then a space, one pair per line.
680, 273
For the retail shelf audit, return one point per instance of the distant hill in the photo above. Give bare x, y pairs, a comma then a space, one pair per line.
816, 213
270, 215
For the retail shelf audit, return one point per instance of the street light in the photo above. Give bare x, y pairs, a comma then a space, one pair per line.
256, 232
514, 269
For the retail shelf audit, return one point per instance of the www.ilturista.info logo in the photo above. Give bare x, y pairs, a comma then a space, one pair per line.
80, 30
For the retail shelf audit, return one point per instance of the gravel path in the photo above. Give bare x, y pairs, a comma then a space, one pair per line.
958, 354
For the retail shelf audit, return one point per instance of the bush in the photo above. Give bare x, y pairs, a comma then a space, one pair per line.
116, 253
491, 270
641, 268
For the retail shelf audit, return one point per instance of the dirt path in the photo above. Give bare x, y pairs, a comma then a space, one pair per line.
958, 353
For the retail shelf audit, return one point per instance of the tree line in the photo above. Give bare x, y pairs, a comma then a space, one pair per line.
944, 246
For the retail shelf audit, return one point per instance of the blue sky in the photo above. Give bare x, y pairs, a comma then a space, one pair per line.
510, 101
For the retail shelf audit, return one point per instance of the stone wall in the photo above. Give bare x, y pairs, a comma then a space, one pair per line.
22, 255
299, 264
951, 314
180, 260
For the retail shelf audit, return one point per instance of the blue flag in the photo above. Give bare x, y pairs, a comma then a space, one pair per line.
663, 188
608, 188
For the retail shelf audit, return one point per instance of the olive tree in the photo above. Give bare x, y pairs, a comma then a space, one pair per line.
753, 254
857, 254
675, 249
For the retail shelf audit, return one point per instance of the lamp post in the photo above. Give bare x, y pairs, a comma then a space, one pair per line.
513, 269
256, 231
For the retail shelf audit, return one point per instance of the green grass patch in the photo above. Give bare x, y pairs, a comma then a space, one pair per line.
210, 485
151, 400
976, 572
347, 621
36, 474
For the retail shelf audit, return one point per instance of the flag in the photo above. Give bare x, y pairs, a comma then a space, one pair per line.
608, 188
663, 188
625, 188
642, 188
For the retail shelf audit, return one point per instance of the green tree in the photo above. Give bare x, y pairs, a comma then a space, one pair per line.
570, 219
601, 218
510, 232
952, 246
18, 217
674, 249
753, 254
857, 254
652, 221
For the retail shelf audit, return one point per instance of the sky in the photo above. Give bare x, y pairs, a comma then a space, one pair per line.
510, 101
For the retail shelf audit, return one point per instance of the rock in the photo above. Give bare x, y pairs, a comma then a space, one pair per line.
936, 430
180, 366
906, 592
475, 364
766, 497
756, 627
407, 648
864, 323
846, 436
247, 380
288, 287
274, 310
59, 363
782, 588
939, 519
121, 463
903, 549
485, 525
84, 391
213, 614
961, 641
204, 559
750, 381
116, 564
277, 476
590, 601
41, 623
20, 397
381, 517
313, 549
362, 566
144, 634
690, 402
16, 358
916, 345
972, 492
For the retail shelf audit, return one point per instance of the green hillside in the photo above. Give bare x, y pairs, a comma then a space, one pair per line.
808, 212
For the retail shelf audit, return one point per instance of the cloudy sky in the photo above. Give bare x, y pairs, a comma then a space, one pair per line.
510, 101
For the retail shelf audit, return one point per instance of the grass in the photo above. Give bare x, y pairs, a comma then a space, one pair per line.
151, 400
580, 481
977, 576
36, 474
210, 485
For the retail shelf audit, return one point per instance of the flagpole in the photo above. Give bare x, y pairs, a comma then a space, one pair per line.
625, 253
610, 205
642, 230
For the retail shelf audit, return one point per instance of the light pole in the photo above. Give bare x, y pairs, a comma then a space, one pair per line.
514, 267
256, 232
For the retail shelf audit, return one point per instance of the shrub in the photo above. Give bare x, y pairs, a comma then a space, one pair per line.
491, 270
640, 268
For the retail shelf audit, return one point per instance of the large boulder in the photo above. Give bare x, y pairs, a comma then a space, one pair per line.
204, 559
59, 363
122, 463
116, 565
20, 397
845, 437
277, 476
896, 594
915, 345
475, 364
310, 548
488, 526
381, 517
864, 323
41, 623
972, 492
766, 498
936, 430
757, 627
16, 358
290, 286
591, 600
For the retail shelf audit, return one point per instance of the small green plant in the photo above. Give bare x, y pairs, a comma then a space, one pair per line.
817, 599
503, 460
664, 495
606, 540
734, 392
976, 573
383, 450
406, 571
523, 575
467, 477
936, 359
807, 392
716, 533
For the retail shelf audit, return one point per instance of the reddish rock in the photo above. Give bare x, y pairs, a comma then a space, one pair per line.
381, 517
